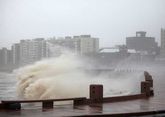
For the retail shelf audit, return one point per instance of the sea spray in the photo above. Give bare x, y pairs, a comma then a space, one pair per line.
52, 78
65, 77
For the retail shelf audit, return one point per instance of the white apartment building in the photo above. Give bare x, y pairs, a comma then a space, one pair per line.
37, 49
162, 47
32, 50
24, 52
81, 45
57, 46
3, 57
88, 44
16, 54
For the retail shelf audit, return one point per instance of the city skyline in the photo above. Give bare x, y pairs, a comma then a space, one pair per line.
110, 20
32, 50
73, 36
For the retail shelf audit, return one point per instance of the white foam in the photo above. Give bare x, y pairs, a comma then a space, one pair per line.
64, 77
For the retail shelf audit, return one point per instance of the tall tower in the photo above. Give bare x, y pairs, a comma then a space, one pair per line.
162, 47
16, 54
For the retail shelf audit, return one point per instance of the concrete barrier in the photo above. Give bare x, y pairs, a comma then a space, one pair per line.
46, 104
96, 93
149, 79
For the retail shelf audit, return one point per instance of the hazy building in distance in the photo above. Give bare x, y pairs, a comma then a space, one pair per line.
81, 45
5, 57
29, 51
1, 58
162, 47
88, 45
24, 51
35, 49
15, 54
4, 53
9, 58
32, 50
44, 49
142, 44
56, 46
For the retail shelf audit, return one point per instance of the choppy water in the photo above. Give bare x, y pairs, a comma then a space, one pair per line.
7, 86
8, 91
130, 82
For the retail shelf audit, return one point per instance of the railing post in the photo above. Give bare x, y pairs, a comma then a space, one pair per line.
79, 101
47, 104
149, 79
96, 93
145, 88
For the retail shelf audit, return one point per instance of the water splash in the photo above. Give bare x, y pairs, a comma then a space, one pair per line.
65, 77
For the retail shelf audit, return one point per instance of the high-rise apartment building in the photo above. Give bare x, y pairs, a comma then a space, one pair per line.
4, 54
82, 45
162, 47
15, 54
29, 51
56, 46
35, 49
5, 57
88, 44
24, 52
32, 50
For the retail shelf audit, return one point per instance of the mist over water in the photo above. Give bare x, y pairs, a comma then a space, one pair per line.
7, 86
65, 77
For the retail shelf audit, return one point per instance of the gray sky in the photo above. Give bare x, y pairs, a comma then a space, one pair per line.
110, 20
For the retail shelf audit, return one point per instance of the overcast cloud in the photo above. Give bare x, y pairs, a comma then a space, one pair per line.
110, 20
